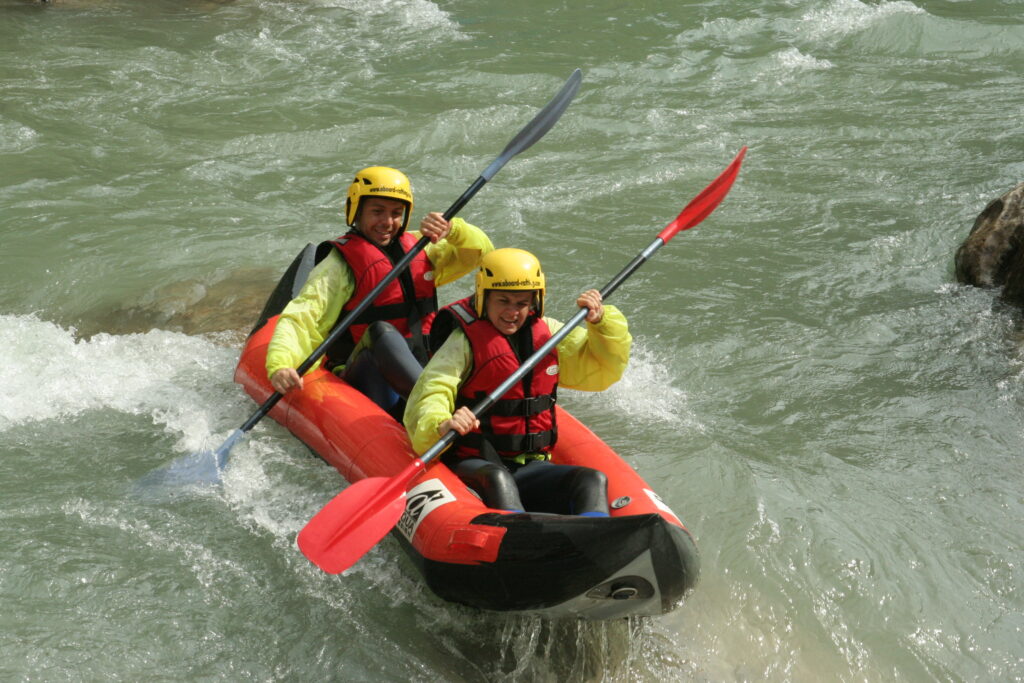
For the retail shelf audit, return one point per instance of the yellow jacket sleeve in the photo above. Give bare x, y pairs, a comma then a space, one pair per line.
432, 400
593, 358
459, 253
308, 318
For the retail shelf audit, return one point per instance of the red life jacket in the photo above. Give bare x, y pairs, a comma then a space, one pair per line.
523, 420
409, 302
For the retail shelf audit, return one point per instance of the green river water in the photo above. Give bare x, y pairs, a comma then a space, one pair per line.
838, 421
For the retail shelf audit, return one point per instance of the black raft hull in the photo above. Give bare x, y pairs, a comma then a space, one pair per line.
565, 566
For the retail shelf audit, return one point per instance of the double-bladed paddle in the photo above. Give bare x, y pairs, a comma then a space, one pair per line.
357, 518
206, 466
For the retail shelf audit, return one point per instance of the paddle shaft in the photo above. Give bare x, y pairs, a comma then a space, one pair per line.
533, 131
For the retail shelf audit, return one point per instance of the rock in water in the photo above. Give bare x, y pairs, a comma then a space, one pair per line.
992, 254
221, 302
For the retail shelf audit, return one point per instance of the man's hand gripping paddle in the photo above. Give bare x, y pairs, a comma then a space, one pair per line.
359, 517
207, 466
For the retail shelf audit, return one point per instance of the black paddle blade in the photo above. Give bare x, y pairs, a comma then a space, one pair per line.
539, 125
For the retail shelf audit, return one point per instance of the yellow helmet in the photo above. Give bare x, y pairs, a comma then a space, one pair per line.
378, 181
510, 269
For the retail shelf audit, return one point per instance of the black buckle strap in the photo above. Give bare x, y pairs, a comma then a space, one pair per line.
533, 442
523, 407
522, 443
536, 441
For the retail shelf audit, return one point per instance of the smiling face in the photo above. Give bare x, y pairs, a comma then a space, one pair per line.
507, 309
380, 219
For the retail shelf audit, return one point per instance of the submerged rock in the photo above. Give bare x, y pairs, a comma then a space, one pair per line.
992, 254
230, 302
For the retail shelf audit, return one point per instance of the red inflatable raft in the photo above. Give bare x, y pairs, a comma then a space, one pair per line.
639, 561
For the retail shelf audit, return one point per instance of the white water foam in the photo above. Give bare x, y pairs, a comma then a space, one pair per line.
418, 14
844, 17
50, 374
792, 60
183, 383
647, 392
16, 137
829, 21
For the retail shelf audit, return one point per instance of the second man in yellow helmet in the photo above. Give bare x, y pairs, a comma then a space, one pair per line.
504, 454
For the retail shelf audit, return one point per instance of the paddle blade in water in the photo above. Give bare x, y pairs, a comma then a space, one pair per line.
353, 522
701, 206
190, 470
200, 468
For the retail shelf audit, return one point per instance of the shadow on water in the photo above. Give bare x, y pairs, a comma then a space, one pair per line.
225, 303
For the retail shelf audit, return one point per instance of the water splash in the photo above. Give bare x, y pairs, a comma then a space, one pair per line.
646, 393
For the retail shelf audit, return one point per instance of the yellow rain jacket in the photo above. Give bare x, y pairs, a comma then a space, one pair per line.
308, 318
589, 359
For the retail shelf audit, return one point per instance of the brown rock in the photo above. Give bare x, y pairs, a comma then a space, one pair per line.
225, 302
992, 256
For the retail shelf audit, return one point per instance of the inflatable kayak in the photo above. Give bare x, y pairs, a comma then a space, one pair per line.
639, 561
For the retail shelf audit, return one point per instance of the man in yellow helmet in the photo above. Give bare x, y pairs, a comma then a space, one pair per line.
396, 326
504, 454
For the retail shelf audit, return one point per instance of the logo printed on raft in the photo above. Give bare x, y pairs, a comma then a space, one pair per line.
420, 501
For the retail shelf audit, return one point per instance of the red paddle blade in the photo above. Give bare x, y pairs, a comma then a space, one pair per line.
707, 201
355, 520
